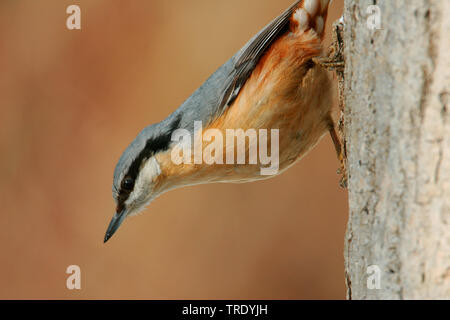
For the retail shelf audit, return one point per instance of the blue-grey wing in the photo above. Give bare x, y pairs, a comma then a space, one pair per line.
249, 56
221, 89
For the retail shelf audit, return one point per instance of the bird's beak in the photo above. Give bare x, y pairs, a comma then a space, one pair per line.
115, 223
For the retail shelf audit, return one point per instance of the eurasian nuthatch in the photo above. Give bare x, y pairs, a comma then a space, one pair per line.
271, 83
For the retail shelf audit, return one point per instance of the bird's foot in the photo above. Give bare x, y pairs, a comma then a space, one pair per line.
343, 171
334, 60
341, 154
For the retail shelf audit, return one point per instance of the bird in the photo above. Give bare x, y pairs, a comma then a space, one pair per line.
272, 83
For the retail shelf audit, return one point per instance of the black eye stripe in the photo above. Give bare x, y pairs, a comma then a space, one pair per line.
152, 146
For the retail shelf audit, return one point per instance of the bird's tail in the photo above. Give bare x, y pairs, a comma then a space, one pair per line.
310, 14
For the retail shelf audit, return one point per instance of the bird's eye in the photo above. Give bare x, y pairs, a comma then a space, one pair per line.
127, 184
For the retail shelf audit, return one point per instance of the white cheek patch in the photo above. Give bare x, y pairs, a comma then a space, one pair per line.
151, 168
143, 187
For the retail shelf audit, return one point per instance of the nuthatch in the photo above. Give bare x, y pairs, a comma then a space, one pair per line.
271, 83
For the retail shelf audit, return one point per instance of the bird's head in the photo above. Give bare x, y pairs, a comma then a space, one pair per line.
138, 176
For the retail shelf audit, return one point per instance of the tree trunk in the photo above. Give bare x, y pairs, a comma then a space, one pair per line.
397, 133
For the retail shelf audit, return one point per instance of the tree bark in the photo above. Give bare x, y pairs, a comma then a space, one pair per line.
397, 135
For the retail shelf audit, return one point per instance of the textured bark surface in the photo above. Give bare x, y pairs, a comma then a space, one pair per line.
397, 131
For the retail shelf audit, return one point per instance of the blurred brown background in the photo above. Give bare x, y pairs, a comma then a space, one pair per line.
71, 101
